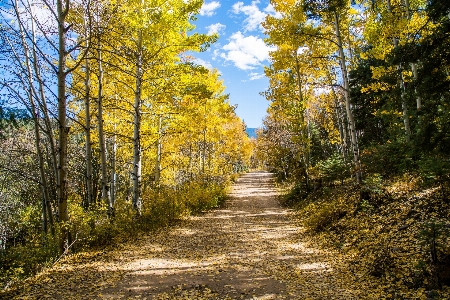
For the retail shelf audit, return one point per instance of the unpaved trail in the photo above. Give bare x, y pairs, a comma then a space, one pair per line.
250, 249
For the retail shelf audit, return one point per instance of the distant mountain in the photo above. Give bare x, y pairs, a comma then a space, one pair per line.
251, 132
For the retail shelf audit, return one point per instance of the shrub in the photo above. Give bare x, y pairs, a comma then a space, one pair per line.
323, 215
333, 168
95, 228
433, 168
388, 159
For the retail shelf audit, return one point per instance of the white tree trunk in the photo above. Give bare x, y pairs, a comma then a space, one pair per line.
413, 65
63, 129
101, 133
47, 217
305, 132
44, 108
87, 104
401, 84
158, 152
136, 173
351, 121
112, 192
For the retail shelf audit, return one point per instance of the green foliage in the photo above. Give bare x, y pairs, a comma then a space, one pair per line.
435, 234
434, 168
388, 159
21, 261
333, 168
371, 193
11, 118
365, 206
94, 228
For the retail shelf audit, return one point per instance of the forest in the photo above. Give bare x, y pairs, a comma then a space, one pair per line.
109, 129
358, 124
107, 125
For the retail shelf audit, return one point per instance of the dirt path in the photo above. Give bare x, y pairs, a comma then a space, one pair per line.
251, 249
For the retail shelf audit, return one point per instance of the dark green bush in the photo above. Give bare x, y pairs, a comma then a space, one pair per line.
334, 168
389, 159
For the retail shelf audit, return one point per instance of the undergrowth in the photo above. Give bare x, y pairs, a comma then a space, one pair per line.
394, 235
94, 229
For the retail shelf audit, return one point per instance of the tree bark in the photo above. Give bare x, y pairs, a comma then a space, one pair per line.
305, 127
46, 213
101, 133
112, 193
158, 152
44, 108
401, 84
63, 129
351, 121
87, 104
413, 65
136, 173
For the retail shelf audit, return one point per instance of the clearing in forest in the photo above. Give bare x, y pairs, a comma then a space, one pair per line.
251, 248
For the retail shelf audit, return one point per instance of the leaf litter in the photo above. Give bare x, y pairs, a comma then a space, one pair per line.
251, 248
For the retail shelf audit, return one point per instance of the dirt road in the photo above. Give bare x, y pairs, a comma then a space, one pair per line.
250, 249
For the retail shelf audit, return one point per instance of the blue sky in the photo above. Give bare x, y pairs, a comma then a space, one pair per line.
240, 53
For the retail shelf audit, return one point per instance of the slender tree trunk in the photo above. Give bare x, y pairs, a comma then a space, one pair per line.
416, 77
136, 174
35, 114
345, 127
101, 133
401, 84
340, 118
350, 118
48, 125
204, 151
112, 193
305, 127
404, 105
158, 152
87, 104
341, 126
44, 186
47, 217
190, 159
413, 65
63, 129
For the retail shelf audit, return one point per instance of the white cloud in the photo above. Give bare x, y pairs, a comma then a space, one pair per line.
270, 10
254, 15
256, 76
204, 63
216, 53
208, 9
246, 52
215, 28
